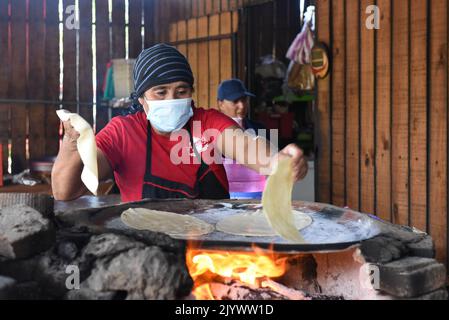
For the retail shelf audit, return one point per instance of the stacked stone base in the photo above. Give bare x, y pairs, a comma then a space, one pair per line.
39, 260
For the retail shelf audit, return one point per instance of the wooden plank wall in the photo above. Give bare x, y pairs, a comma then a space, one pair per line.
30, 62
382, 114
212, 36
5, 71
168, 11
29, 58
29, 40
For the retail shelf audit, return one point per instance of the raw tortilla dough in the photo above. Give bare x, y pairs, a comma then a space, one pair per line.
256, 224
277, 202
174, 224
87, 148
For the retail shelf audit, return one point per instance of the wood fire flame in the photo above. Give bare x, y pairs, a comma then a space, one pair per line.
250, 268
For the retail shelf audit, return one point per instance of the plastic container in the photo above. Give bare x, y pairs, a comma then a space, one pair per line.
244, 183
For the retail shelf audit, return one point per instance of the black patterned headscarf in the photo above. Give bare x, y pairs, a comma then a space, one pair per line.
160, 64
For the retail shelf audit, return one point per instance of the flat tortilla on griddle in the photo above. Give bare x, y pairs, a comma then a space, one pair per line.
255, 224
173, 224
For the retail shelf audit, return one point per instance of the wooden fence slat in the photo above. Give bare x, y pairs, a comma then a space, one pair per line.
149, 16
164, 15
69, 57
338, 103
214, 71
282, 30
214, 25
195, 8
36, 79
216, 6
233, 4
192, 50
201, 8
226, 23
418, 114
175, 10
203, 64
353, 106
241, 47
214, 59
4, 84
118, 29
438, 183
103, 57
173, 33
224, 5
226, 55
85, 61
400, 152
235, 21
187, 10
225, 59
182, 30
52, 69
266, 27
322, 116
383, 114
209, 6
182, 36
367, 152
251, 44
135, 27
192, 29
293, 21
444, 228
18, 88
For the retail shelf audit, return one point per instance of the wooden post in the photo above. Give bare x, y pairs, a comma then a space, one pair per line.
322, 117
367, 125
400, 129
353, 106
338, 103
418, 114
18, 87
383, 114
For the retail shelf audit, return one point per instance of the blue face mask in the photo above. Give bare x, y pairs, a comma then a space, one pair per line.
169, 115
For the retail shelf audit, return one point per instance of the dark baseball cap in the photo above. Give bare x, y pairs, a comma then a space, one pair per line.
232, 90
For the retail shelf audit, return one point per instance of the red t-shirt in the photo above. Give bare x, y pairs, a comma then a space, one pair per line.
124, 143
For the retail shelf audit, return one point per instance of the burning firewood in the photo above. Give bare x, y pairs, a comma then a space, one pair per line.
240, 291
291, 294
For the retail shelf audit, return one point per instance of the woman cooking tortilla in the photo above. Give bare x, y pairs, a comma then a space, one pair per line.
137, 149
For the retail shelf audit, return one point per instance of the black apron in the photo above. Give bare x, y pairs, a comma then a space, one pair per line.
207, 186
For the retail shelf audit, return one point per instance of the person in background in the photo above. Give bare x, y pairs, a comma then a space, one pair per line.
233, 101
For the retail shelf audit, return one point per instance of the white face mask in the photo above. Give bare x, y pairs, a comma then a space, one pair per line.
239, 121
169, 115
